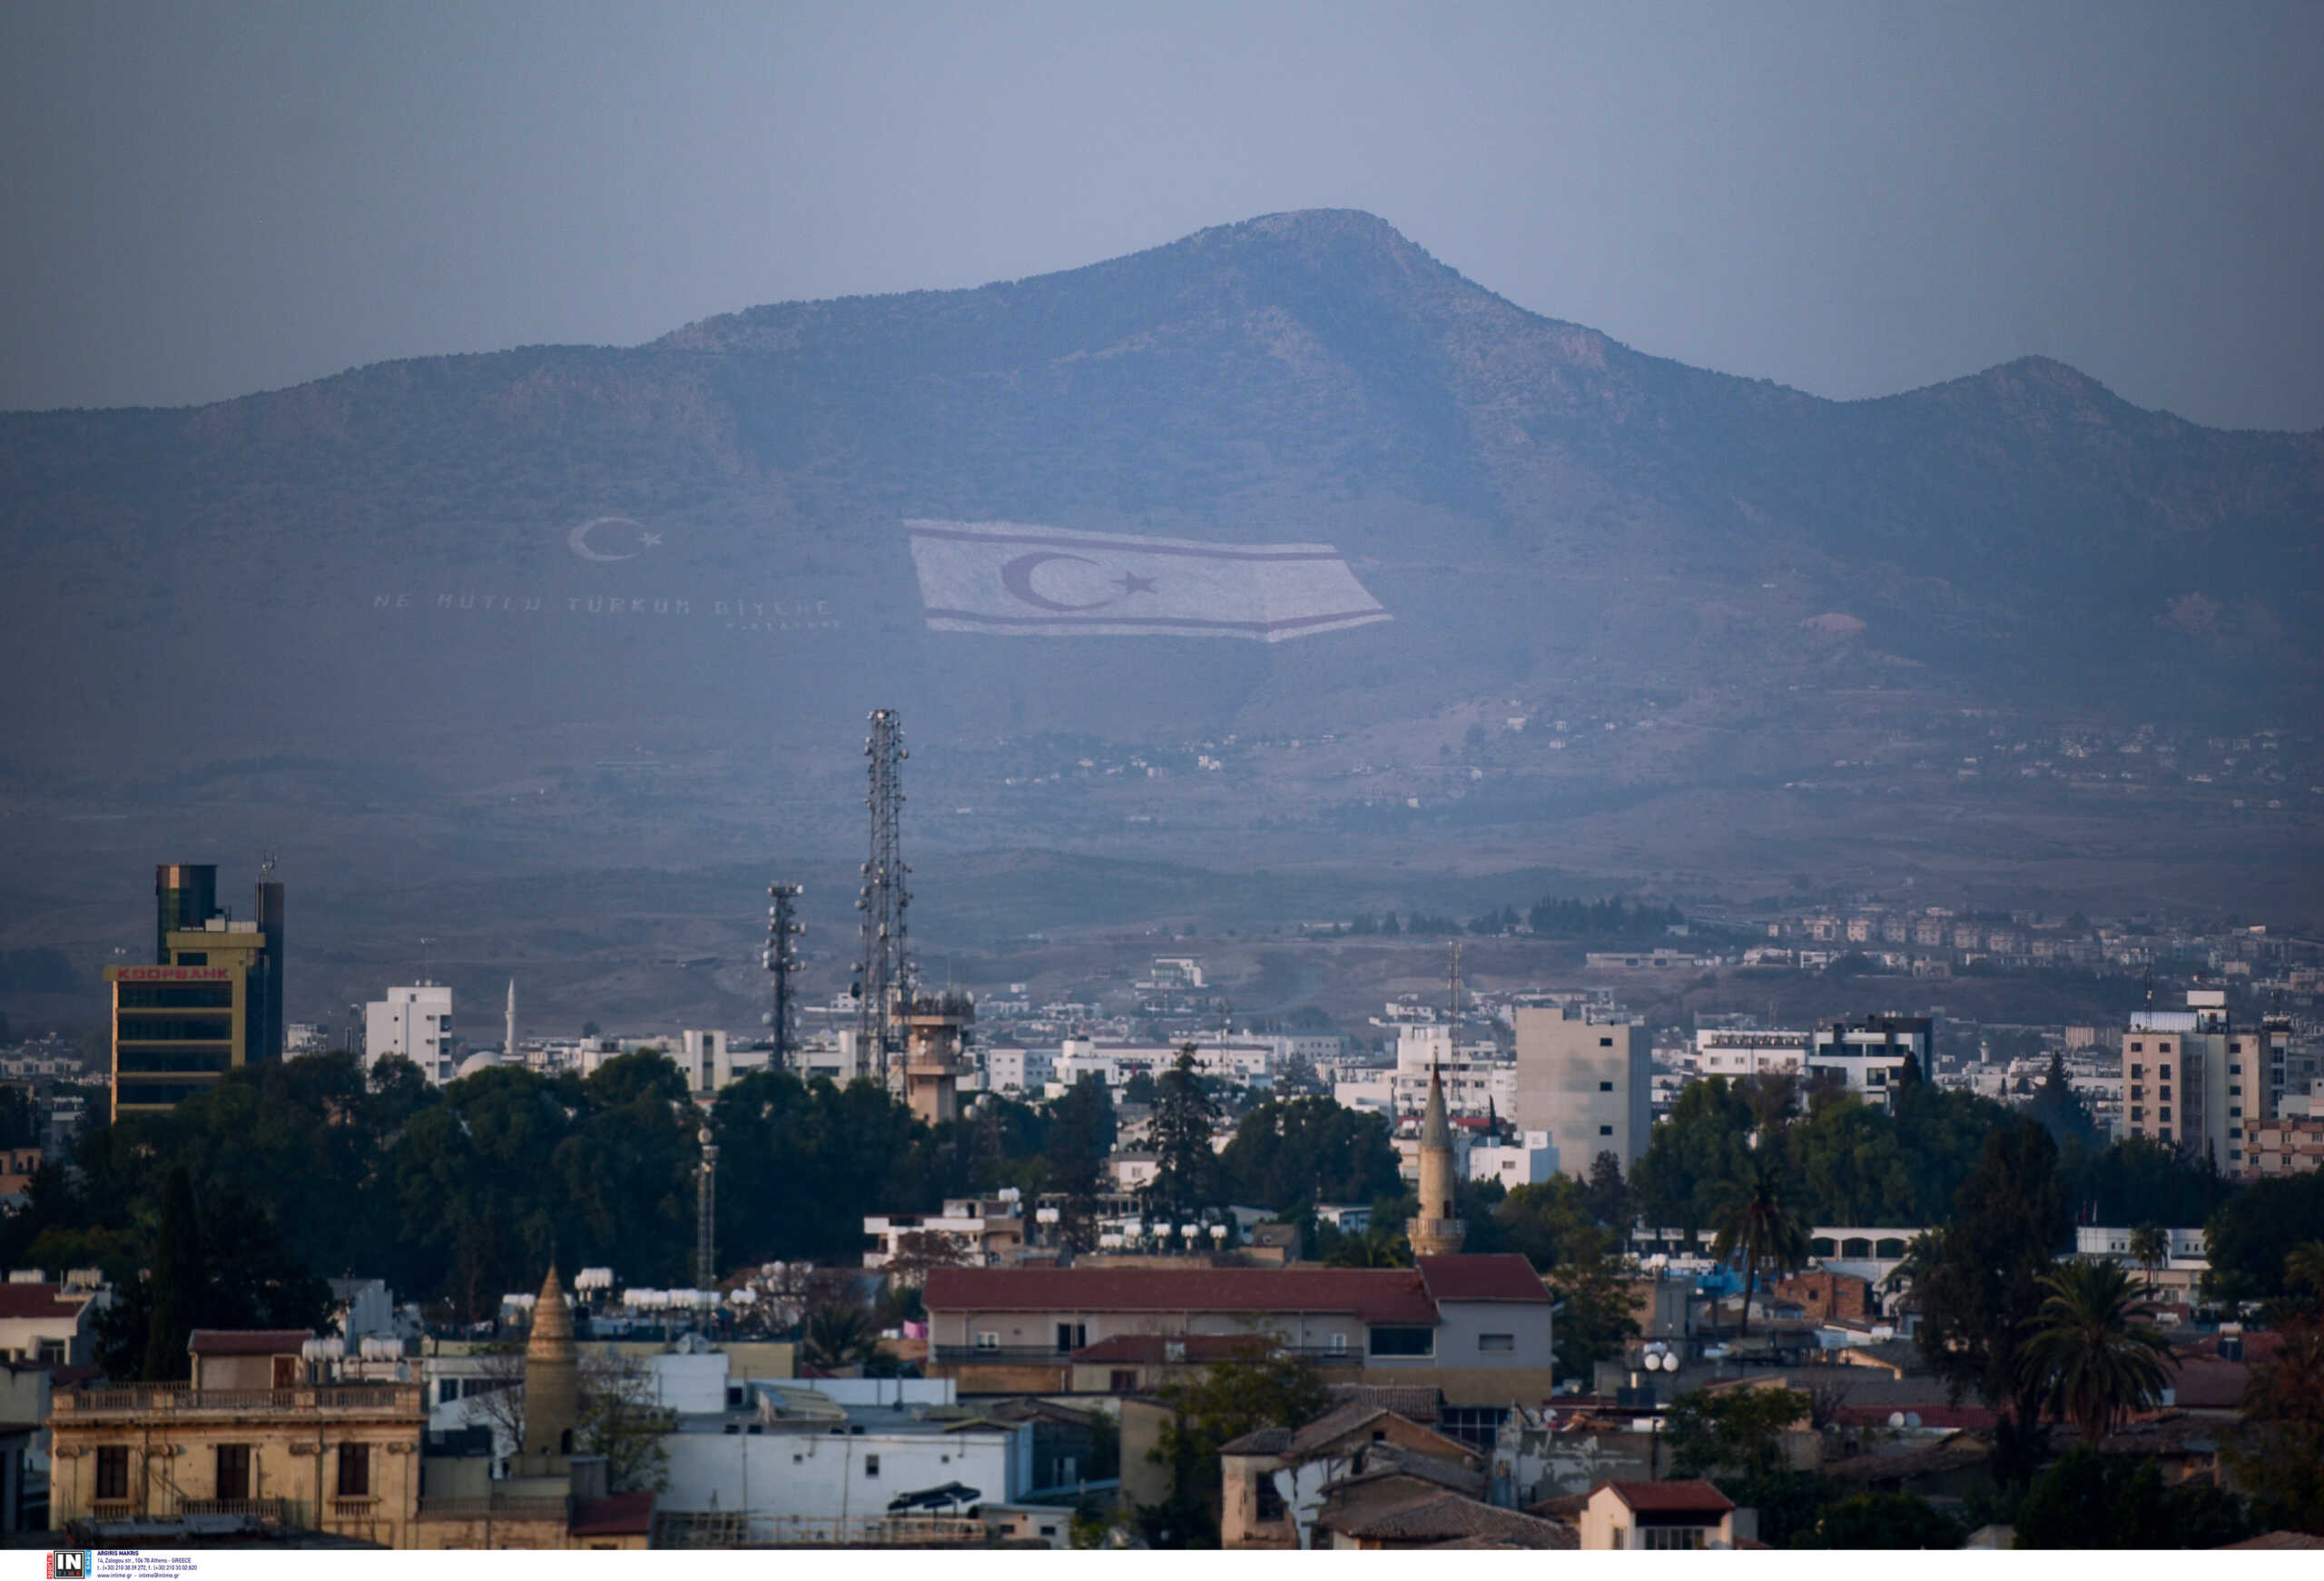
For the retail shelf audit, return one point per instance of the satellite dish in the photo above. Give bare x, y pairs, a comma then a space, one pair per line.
1912, 1419
1895, 1419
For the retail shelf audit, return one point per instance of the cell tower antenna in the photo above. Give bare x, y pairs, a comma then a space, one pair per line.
884, 970
783, 932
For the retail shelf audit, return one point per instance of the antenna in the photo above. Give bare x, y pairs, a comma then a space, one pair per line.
783, 932
705, 1221
884, 970
424, 969
266, 864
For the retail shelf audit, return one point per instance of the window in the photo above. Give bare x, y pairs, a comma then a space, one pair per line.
113, 1471
51, 1353
1335, 1343
1387, 1340
1123, 1381
2236, 1131
1496, 1341
2235, 1091
2137, 1112
871, 1466
2235, 1112
1605, 1043
1605, 1131
2137, 1092
355, 1471
2137, 1072
2138, 1048
1072, 1335
447, 1389
2163, 1114
1605, 1086
234, 1471
1671, 1536
987, 1339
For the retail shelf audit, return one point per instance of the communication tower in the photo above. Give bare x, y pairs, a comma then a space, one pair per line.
705, 1264
884, 970
783, 932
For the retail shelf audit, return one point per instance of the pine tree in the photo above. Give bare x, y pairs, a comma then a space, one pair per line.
1186, 1166
180, 1283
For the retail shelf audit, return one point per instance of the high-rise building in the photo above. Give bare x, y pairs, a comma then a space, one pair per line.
414, 1022
210, 1000
1587, 1079
2194, 1079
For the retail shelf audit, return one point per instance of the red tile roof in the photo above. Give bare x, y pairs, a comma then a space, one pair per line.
1688, 1497
1483, 1276
623, 1515
38, 1301
248, 1342
1392, 1295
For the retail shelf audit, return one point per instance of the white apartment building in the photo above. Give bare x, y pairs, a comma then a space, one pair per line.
415, 1023
1586, 1081
1019, 1071
1723, 1052
1531, 1160
705, 1059
1478, 1080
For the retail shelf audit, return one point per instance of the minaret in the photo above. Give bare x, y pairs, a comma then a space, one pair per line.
509, 1036
1436, 1232
552, 1384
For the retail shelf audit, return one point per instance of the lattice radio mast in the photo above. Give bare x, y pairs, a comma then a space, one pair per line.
884, 970
782, 931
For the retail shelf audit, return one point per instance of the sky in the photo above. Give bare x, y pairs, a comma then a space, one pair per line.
207, 199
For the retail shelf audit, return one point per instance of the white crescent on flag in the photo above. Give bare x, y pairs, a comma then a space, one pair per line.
1014, 580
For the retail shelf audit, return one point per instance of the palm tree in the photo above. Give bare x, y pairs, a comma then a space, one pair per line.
835, 1337
2150, 1247
2093, 1358
1754, 1218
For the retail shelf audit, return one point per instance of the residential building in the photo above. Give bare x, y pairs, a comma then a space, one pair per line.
1013, 1070
1868, 1252
1736, 1055
2284, 1147
2186, 1257
49, 1325
2194, 1079
254, 1435
414, 1023
1475, 1327
707, 1058
980, 1231
1587, 1081
1868, 1056
1530, 1161
1658, 1516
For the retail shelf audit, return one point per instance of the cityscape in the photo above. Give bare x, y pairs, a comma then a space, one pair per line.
1137, 870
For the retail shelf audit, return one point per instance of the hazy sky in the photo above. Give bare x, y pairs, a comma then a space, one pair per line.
205, 199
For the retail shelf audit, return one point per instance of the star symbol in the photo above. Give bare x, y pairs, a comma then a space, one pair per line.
652, 540
1129, 583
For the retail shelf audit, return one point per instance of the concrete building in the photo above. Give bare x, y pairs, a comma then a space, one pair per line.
1013, 1070
1529, 1161
211, 1001
414, 1022
1868, 1056
2186, 1257
935, 1027
2284, 1147
1476, 1328
1586, 1081
982, 1231
2195, 1080
48, 1325
1664, 1515
707, 1059
1736, 1055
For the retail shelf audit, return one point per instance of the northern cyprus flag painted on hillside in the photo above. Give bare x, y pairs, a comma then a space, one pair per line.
1015, 580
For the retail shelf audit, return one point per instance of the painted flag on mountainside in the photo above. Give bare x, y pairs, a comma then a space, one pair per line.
1015, 580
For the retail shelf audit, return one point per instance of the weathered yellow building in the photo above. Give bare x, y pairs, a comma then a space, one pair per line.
251, 1435
263, 1434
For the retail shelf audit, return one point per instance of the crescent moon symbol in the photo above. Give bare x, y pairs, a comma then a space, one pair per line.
577, 540
1017, 576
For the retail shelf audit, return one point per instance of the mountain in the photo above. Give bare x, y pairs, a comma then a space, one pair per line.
550, 605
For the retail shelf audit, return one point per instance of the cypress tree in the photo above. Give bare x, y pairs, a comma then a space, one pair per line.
179, 1279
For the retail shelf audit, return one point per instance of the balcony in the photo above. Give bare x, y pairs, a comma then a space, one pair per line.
265, 1511
183, 1400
